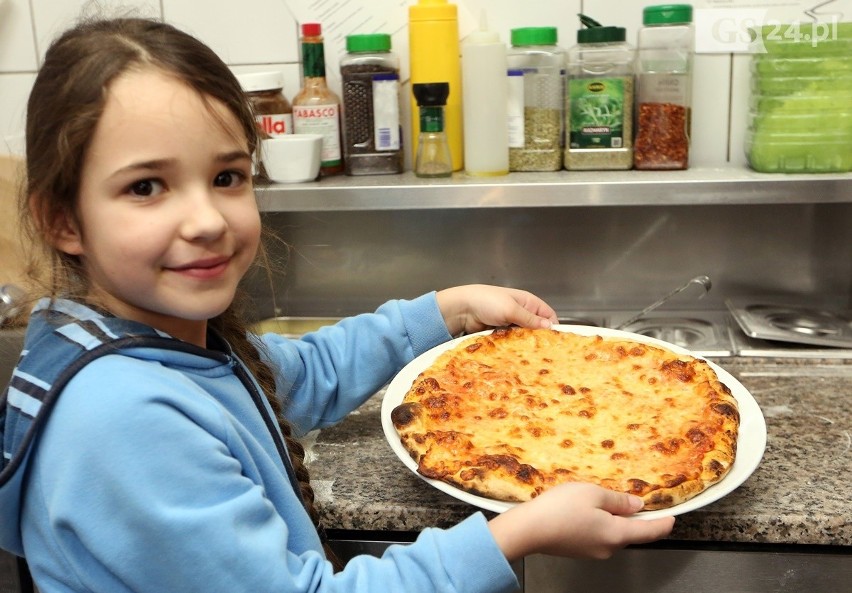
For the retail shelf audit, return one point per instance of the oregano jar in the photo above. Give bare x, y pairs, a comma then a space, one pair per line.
536, 79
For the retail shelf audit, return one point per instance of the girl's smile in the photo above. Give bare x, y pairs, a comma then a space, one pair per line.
203, 269
167, 223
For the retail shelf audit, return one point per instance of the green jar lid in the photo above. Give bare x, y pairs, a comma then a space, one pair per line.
597, 33
534, 36
601, 35
368, 43
667, 14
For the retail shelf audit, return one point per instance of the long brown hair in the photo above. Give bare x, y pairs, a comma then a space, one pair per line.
64, 107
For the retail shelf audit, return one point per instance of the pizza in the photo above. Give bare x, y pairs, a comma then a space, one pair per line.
508, 414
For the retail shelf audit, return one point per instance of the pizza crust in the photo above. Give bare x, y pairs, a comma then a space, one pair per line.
509, 414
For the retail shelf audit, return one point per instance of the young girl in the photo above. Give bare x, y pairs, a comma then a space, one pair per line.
140, 441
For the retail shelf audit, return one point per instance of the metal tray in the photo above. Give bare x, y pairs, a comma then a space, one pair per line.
796, 323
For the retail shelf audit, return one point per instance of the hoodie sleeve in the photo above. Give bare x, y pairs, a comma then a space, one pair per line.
328, 373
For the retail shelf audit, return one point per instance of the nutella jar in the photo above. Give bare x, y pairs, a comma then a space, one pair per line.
272, 110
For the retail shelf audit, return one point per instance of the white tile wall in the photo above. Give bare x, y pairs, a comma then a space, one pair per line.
17, 48
247, 32
710, 117
14, 90
255, 35
51, 17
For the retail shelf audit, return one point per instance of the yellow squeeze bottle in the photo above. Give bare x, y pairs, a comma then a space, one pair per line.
433, 39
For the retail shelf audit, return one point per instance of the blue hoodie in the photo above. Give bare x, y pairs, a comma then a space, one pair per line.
136, 462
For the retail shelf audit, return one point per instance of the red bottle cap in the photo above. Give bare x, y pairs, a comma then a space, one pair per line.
311, 30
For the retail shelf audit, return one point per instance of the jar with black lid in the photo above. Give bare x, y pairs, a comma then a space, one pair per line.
372, 137
272, 110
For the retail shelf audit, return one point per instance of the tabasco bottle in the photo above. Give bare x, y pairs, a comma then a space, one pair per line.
316, 108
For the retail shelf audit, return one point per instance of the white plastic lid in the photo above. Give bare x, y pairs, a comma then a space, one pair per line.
261, 81
482, 38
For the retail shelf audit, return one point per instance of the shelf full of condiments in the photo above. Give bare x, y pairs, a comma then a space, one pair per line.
481, 106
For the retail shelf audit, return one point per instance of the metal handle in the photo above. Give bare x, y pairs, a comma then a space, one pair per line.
704, 281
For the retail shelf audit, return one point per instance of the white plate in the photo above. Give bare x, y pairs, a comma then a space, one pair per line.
751, 442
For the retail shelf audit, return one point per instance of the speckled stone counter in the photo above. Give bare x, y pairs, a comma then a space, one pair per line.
800, 493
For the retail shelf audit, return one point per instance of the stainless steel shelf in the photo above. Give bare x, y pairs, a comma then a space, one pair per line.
718, 186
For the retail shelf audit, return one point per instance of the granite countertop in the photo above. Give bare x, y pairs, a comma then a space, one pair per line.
799, 494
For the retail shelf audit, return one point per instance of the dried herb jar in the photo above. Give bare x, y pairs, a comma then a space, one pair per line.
599, 113
536, 71
372, 138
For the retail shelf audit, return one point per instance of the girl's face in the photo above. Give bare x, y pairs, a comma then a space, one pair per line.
168, 222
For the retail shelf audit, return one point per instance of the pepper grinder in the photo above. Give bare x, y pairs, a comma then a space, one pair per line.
433, 151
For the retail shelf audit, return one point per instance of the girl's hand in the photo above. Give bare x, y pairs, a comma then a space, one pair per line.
575, 520
475, 307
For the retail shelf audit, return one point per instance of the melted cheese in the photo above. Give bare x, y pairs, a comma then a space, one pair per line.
623, 414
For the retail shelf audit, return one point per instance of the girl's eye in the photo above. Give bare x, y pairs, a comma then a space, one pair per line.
146, 187
229, 179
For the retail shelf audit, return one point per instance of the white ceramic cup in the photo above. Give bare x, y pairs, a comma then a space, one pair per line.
292, 158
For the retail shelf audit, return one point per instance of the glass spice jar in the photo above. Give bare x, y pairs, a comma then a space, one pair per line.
663, 87
433, 158
372, 138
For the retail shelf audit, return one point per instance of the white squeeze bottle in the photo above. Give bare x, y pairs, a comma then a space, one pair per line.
485, 103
